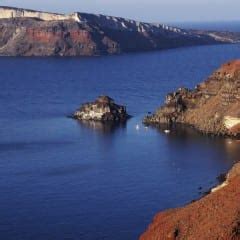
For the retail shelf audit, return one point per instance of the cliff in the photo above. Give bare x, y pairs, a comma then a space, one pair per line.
34, 33
213, 107
10, 12
216, 216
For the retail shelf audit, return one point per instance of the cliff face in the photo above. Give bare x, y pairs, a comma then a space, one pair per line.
212, 107
216, 216
27, 37
32, 33
10, 12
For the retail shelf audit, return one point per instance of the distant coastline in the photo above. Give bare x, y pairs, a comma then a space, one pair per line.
232, 26
36, 33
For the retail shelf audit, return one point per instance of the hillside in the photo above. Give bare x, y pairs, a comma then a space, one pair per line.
216, 216
212, 107
33, 33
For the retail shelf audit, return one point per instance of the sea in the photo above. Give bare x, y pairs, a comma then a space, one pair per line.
66, 180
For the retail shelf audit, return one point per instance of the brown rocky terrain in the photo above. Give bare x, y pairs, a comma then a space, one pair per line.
33, 33
213, 107
214, 217
33, 37
103, 109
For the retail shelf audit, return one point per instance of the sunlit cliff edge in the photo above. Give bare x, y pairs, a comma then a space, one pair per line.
34, 33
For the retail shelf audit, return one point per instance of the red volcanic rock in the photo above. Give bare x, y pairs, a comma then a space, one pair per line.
216, 216
80, 36
32, 37
88, 34
45, 35
231, 68
42, 36
213, 107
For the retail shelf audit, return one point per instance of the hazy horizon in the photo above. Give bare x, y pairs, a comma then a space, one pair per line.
149, 11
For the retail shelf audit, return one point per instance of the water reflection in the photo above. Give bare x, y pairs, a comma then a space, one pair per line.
101, 127
177, 131
110, 178
232, 148
186, 136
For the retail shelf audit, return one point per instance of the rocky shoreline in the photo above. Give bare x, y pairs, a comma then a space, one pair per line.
216, 216
213, 107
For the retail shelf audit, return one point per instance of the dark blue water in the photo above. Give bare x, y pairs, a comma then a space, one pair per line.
60, 179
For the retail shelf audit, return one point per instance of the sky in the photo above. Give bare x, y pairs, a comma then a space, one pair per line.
143, 10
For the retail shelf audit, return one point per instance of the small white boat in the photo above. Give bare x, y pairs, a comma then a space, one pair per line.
137, 127
167, 131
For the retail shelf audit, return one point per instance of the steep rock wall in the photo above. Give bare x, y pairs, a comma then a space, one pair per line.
7, 12
34, 33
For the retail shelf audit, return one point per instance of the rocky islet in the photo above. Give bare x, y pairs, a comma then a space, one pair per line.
103, 109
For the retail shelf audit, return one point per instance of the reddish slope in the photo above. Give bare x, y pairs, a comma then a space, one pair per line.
216, 216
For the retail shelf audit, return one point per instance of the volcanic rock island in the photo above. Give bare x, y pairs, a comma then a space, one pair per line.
26, 32
103, 109
213, 107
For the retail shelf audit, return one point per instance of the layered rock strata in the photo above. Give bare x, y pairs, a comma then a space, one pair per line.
34, 33
11, 12
103, 109
213, 107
